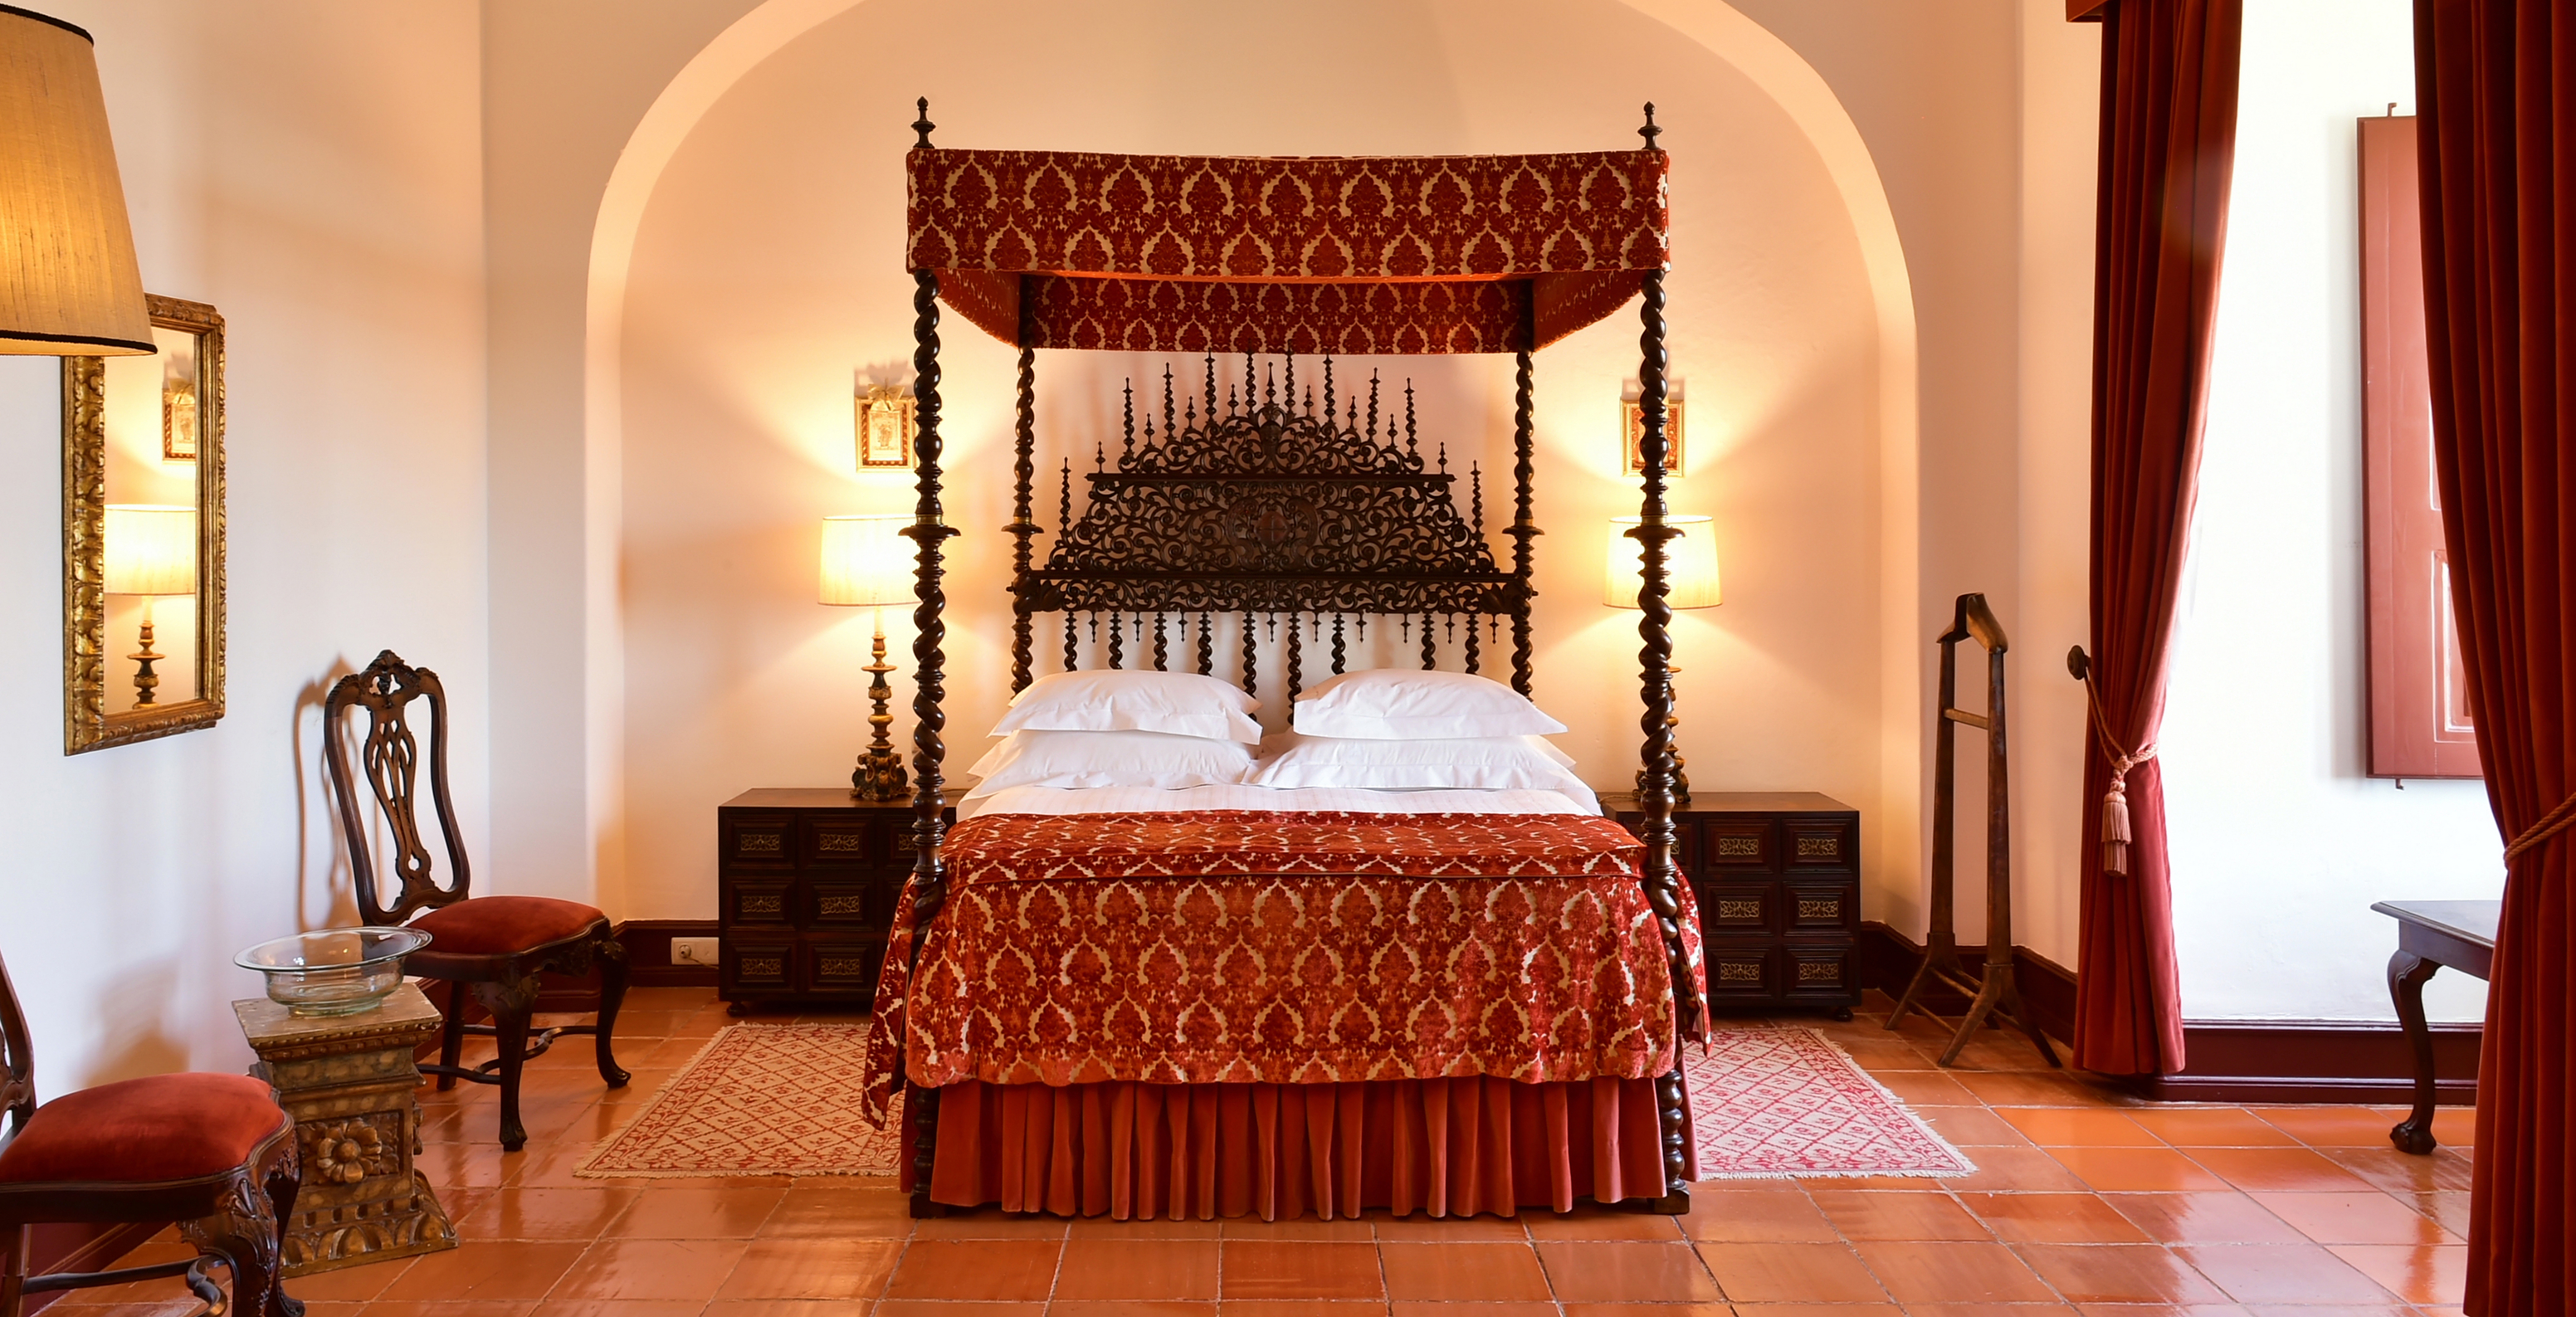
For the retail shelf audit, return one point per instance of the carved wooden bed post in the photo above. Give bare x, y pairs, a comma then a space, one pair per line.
929, 875
1655, 661
1023, 472
1522, 529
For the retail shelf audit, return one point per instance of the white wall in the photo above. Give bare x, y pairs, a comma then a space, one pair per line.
767, 269
2280, 843
313, 170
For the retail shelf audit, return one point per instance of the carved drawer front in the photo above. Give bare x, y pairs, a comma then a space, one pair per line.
759, 840
1819, 844
841, 841
754, 965
1819, 970
841, 966
1822, 905
758, 903
1735, 907
868, 905
1737, 845
1741, 971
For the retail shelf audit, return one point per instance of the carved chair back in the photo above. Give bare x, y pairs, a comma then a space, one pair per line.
17, 1060
382, 699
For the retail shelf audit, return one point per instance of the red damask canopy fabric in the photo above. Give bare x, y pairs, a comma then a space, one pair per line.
1344, 254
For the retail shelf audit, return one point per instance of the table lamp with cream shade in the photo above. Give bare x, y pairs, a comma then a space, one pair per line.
151, 550
868, 562
69, 285
1690, 581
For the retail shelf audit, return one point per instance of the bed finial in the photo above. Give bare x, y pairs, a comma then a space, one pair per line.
1328, 389
1127, 396
923, 125
1171, 430
1650, 132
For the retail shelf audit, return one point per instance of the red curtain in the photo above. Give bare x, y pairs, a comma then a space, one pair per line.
2168, 143
2497, 137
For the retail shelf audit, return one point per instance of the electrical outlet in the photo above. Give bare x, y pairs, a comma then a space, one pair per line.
693, 951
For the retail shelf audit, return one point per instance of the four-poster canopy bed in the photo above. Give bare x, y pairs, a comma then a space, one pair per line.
1050, 1089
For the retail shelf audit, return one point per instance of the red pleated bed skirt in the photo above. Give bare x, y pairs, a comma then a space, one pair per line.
1449, 1147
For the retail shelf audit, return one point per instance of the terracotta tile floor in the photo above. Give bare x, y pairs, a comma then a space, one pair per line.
2085, 1201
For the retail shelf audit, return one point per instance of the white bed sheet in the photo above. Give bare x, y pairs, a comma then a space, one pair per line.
1147, 800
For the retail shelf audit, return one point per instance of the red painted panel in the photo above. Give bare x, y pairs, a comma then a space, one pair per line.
2419, 718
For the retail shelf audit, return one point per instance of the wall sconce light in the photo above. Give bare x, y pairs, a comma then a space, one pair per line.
1690, 580
151, 550
885, 419
68, 282
867, 562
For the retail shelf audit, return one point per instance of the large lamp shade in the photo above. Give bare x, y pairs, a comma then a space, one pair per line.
867, 560
68, 282
151, 549
1690, 564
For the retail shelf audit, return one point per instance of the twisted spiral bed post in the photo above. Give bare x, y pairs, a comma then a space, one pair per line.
1023, 523
1655, 659
1524, 527
929, 534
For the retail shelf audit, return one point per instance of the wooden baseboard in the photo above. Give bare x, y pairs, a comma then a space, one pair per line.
87, 1246
2224, 1060
648, 953
2315, 1061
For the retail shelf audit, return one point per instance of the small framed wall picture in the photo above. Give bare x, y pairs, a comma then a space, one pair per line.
1632, 432
179, 401
884, 427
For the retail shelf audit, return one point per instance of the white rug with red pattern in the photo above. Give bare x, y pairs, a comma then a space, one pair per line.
783, 1099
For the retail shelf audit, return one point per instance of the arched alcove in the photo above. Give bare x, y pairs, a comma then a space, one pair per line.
746, 260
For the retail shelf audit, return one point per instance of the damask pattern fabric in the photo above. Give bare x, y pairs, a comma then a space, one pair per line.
1287, 219
1255, 947
1354, 255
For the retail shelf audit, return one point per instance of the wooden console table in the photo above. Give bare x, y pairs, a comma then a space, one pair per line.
2430, 935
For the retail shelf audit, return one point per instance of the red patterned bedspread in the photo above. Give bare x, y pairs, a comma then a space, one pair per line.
1273, 947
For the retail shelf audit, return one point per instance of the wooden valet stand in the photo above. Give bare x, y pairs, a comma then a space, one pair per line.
1994, 997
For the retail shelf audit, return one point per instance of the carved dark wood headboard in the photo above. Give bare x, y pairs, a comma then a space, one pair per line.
1266, 504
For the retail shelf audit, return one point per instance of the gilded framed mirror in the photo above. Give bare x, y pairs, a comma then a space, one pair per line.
143, 535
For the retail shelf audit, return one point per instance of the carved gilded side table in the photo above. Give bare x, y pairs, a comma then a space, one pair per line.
349, 1081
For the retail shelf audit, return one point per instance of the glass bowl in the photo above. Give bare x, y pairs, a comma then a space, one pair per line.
337, 971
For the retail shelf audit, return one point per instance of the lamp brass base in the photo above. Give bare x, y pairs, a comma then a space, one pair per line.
880, 775
144, 677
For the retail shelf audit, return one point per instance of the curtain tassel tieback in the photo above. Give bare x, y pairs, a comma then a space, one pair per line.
2115, 802
2550, 825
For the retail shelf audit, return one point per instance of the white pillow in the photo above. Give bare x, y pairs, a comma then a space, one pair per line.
1492, 763
1174, 703
1392, 703
1111, 759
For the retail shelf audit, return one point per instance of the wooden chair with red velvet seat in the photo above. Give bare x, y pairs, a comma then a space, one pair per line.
491, 946
213, 1152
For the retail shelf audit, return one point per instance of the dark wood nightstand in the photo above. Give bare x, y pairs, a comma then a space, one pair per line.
806, 883
1777, 876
